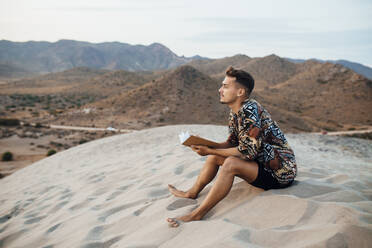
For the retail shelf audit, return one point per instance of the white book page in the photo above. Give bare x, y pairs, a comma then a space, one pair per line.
183, 136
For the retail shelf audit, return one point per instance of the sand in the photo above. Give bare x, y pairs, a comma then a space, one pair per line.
112, 192
28, 144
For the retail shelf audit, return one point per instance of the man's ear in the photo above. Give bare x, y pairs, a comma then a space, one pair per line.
241, 91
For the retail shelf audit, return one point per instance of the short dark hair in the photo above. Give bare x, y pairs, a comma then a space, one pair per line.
242, 77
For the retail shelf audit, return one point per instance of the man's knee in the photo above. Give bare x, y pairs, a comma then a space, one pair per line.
215, 159
228, 165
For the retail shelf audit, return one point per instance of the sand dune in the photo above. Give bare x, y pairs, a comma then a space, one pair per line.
113, 192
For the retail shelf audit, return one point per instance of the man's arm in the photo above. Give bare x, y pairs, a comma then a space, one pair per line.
223, 145
226, 152
232, 151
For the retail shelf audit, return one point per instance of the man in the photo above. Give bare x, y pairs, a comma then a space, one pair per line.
255, 151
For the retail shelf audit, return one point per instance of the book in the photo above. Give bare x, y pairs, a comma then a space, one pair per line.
187, 140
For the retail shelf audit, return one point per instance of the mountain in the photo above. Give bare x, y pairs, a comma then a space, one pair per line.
44, 57
11, 71
216, 67
358, 68
309, 96
272, 69
322, 96
288, 90
65, 91
266, 71
183, 95
52, 83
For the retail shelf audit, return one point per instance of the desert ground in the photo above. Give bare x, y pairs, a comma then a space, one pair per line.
30, 144
112, 192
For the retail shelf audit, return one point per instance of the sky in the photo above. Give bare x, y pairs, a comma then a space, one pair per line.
323, 29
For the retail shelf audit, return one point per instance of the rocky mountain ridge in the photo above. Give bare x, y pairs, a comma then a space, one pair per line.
46, 57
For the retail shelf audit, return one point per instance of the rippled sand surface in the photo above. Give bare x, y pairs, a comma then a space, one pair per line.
113, 192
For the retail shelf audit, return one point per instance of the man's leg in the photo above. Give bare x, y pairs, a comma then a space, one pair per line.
232, 166
206, 175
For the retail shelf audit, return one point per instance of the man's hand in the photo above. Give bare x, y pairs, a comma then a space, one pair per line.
201, 150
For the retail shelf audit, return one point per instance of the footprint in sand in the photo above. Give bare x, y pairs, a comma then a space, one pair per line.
179, 169
95, 233
141, 210
180, 203
125, 187
53, 228
96, 178
79, 205
28, 202
100, 192
5, 218
14, 212
34, 220
105, 244
46, 190
243, 235
58, 206
5, 241
3, 229
68, 195
30, 215
114, 195
158, 193
115, 210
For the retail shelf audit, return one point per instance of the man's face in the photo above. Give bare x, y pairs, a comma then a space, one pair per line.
228, 91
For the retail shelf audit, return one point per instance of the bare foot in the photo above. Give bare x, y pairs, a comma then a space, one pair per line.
175, 222
180, 193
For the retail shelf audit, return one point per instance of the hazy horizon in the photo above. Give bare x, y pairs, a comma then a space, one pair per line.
329, 30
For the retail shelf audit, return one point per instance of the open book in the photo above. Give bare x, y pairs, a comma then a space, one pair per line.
188, 140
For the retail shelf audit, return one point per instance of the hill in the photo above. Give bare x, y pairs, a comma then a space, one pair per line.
9, 71
357, 67
288, 90
38, 99
183, 95
325, 96
266, 71
123, 99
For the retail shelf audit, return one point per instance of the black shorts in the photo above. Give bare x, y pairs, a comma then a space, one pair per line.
265, 180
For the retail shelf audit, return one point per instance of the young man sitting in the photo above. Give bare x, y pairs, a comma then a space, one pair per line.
256, 150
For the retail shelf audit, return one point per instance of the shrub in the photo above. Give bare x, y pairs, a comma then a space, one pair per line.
7, 156
369, 83
321, 81
51, 152
329, 129
9, 122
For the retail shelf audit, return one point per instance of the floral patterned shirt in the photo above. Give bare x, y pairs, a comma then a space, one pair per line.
259, 138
